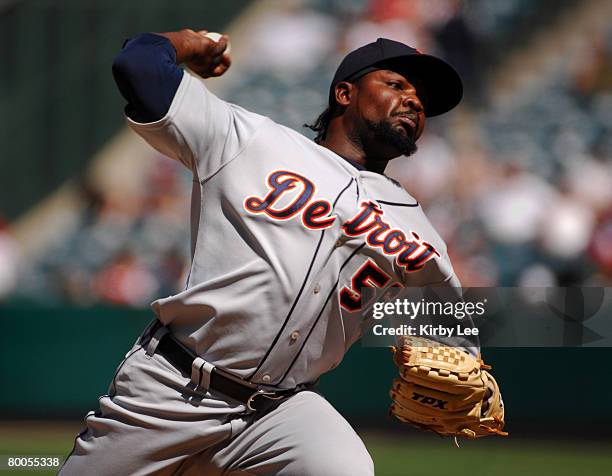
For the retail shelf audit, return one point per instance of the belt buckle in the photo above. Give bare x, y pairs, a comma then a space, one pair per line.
262, 393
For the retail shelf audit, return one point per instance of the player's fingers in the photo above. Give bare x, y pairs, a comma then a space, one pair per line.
221, 69
220, 45
203, 38
213, 47
215, 61
226, 60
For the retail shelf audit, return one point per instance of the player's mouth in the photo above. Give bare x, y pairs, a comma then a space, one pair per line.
408, 121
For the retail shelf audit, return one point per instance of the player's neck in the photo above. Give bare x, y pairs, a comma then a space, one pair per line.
351, 150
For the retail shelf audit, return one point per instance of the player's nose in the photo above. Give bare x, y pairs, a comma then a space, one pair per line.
413, 102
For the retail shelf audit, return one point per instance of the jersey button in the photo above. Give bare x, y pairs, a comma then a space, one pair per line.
266, 378
317, 288
338, 243
295, 335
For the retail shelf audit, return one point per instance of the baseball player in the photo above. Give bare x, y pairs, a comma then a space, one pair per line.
285, 234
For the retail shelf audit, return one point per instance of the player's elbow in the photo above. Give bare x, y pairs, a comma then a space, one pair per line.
147, 76
124, 69
136, 62
132, 71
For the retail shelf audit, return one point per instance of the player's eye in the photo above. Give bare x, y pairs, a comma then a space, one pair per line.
395, 84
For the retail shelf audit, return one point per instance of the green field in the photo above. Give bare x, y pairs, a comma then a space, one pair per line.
433, 456
393, 455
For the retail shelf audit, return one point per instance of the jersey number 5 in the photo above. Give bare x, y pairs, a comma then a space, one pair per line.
368, 275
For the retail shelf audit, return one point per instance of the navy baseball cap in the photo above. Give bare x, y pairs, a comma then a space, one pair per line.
442, 84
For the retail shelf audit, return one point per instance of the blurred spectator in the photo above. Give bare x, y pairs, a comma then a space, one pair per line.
601, 245
592, 65
513, 211
9, 260
125, 281
397, 20
171, 272
590, 181
291, 28
520, 190
459, 44
536, 275
566, 228
476, 271
431, 173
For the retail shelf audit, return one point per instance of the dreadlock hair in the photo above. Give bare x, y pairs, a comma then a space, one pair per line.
321, 124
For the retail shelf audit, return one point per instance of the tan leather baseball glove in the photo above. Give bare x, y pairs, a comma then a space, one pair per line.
445, 390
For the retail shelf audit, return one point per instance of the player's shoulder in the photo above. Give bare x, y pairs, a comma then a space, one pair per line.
302, 145
289, 133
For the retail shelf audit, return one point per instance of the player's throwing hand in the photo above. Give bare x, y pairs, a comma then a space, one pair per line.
202, 55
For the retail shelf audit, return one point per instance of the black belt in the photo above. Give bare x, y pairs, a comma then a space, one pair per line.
220, 381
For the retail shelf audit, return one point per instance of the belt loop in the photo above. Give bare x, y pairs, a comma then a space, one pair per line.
200, 372
146, 334
153, 343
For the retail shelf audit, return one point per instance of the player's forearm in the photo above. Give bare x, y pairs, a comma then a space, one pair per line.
147, 76
187, 44
203, 54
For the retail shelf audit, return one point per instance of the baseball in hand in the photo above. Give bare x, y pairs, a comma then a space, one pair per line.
216, 37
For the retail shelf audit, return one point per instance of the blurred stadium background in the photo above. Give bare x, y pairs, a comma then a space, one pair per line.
94, 223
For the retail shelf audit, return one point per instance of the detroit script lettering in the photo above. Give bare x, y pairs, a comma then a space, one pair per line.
410, 251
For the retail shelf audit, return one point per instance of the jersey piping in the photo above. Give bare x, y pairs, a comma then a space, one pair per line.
331, 293
299, 294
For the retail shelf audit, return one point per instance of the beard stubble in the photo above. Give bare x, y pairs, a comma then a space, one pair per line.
383, 131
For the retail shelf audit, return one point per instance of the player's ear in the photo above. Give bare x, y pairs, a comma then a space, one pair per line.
344, 92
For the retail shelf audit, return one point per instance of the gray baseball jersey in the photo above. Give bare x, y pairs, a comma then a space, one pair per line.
284, 234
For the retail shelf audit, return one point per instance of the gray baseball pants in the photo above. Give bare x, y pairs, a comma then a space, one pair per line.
153, 422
